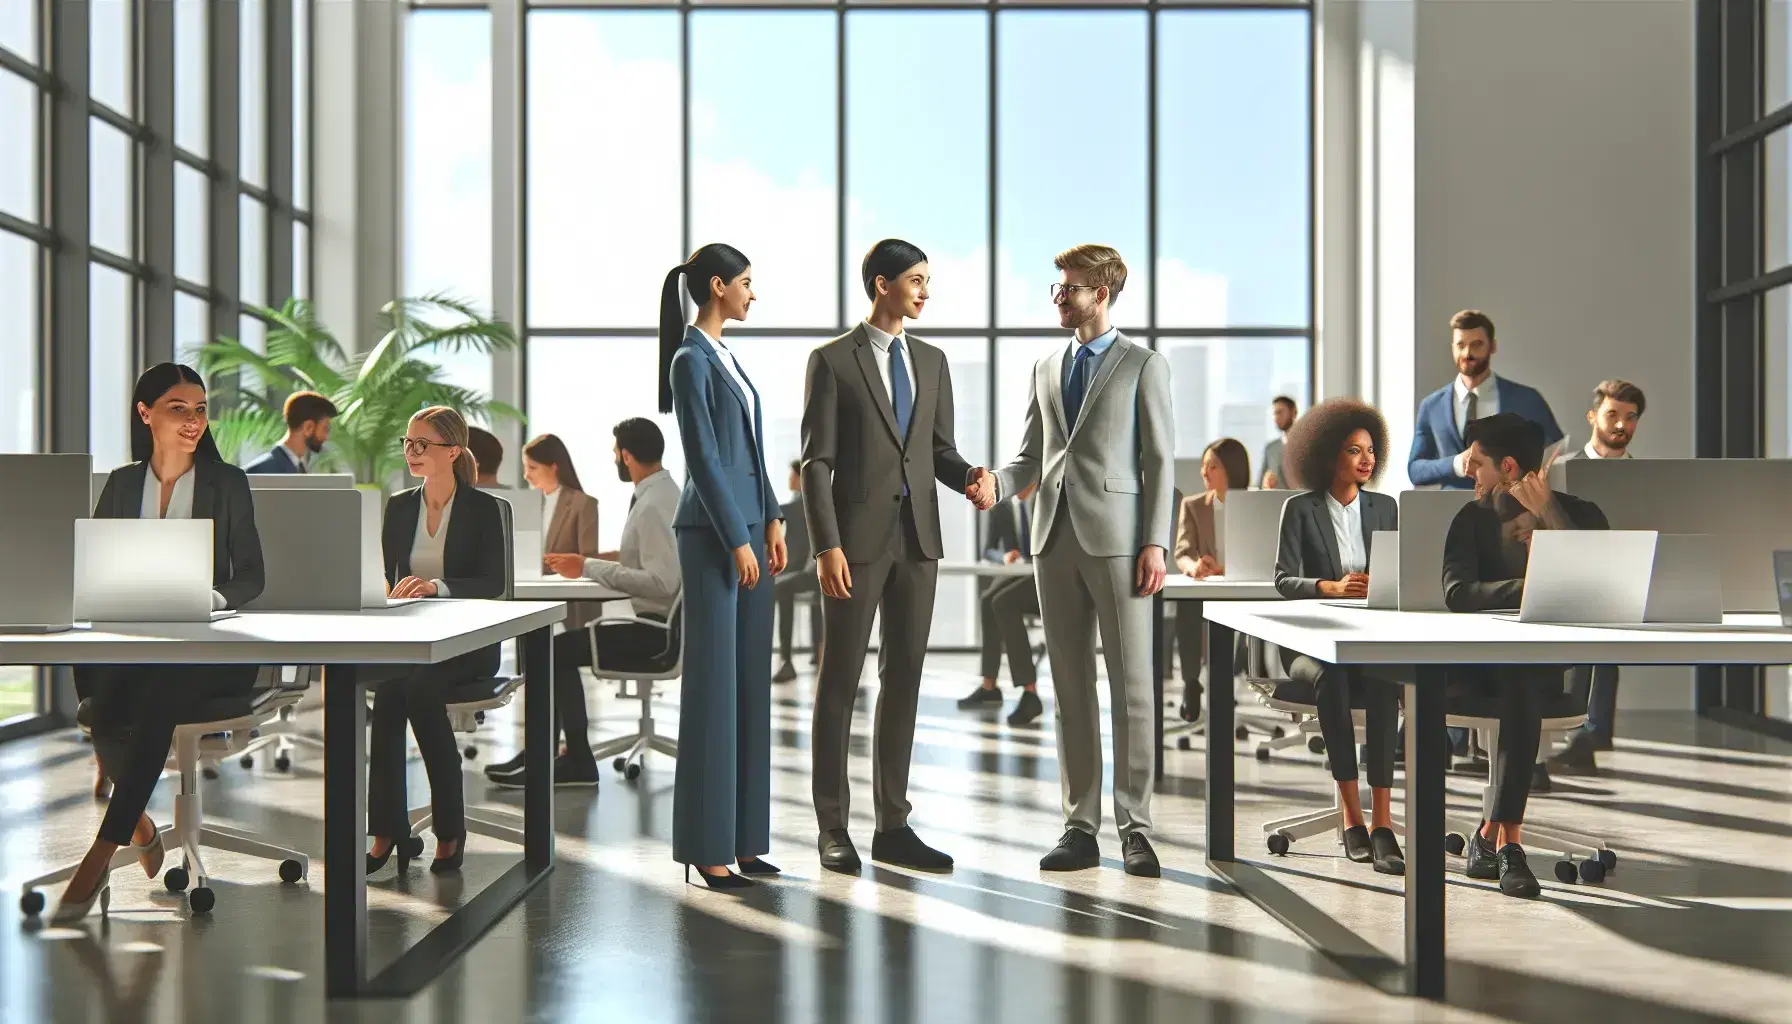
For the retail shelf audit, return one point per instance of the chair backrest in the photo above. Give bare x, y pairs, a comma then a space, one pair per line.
673, 658
509, 518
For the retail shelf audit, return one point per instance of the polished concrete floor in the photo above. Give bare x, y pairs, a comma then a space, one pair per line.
1696, 924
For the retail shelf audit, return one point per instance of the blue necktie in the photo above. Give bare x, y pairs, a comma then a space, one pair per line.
1075, 387
902, 396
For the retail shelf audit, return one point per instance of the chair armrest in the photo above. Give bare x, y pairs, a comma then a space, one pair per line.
615, 620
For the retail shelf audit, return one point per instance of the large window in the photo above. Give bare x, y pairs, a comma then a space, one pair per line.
993, 136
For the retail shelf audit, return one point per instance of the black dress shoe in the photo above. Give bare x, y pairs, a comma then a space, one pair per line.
568, 772
981, 697
1388, 858
1076, 851
786, 673
1516, 879
1540, 778
758, 866
514, 766
1026, 710
1577, 757
1483, 860
837, 852
1140, 858
443, 865
1356, 844
902, 847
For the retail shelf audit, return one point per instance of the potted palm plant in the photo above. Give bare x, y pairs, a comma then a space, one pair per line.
377, 391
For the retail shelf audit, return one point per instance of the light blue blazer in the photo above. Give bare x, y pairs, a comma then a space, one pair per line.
726, 487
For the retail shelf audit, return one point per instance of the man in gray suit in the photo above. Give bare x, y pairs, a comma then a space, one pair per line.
1275, 471
877, 431
1098, 441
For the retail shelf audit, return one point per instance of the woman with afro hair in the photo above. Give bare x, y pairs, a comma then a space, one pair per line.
1333, 453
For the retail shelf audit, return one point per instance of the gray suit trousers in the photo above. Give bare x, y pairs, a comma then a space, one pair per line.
1079, 593
899, 583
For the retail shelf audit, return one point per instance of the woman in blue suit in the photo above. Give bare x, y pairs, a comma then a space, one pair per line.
730, 532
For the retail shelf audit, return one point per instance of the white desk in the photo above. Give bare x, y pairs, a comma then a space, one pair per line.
1217, 588
559, 588
1430, 641
426, 632
993, 569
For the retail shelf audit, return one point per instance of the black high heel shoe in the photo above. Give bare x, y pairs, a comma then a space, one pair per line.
442, 865
723, 883
376, 863
758, 866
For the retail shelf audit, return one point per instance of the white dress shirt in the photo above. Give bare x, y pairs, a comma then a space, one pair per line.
1347, 527
647, 569
732, 365
426, 548
1487, 401
180, 506
881, 341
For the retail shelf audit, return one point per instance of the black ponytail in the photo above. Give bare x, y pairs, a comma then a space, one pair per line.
714, 260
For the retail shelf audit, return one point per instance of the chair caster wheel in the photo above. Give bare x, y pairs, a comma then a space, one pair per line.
247, 760
1262, 753
209, 772
1316, 744
632, 772
1277, 733
1565, 872
1609, 859
283, 763
1278, 844
411, 848
32, 903
1454, 844
290, 871
175, 880
201, 901
1241, 733
1592, 872
619, 764
471, 753
1182, 743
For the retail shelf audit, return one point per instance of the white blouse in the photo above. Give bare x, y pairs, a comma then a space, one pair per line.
426, 548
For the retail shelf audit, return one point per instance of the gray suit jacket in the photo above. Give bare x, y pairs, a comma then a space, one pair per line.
1112, 475
1309, 548
854, 462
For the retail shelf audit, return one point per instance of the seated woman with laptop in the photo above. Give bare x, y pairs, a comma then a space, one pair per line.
176, 473
1485, 556
1334, 453
443, 539
1225, 467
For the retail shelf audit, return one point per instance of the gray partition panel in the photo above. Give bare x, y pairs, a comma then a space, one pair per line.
311, 544
1742, 503
1425, 518
300, 481
43, 496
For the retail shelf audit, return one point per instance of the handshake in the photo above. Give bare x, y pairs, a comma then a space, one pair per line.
982, 489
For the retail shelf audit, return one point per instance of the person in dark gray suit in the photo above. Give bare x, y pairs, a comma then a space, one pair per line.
877, 431
1334, 452
1005, 604
795, 580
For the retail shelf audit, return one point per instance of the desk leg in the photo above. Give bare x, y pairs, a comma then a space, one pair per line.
1427, 751
1220, 777
345, 826
1159, 665
539, 746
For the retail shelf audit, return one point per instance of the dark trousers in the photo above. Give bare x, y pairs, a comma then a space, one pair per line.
620, 645
1006, 603
1336, 688
785, 589
417, 695
1516, 693
134, 711
1598, 685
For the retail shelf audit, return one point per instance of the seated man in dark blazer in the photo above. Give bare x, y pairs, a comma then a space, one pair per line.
308, 417
797, 578
1005, 604
1485, 556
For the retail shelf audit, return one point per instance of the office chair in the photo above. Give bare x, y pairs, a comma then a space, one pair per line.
212, 730
1297, 700
283, 733
630, 751
1259, 677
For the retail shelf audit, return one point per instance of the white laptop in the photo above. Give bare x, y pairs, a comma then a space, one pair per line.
1621, 577
1384, 574
144, 570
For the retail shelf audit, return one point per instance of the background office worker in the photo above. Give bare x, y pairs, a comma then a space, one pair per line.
1616, 414
795, 580
175, 473
488, 455
1005, 605
1275, 470
1101, 534
729, 532
308, 416
442, 539
1485, 556
877, 425
1439, 454
1334, 452
1225, 466
570, 539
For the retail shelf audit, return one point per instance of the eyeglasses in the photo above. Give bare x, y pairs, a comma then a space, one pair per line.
417, 445
1060, 291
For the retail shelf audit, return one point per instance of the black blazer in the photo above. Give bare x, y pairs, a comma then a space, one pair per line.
1308, 551
1004, 528
796, 535
277, 461
221, 494
472, 553
1476, 577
